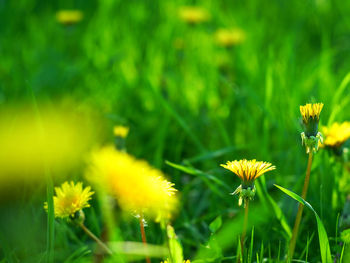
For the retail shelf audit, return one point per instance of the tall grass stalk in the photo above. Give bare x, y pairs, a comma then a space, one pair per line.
96, 239
245, 223
143, 235
300, 209
50, 219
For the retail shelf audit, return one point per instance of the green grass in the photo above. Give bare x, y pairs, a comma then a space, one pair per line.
189, 110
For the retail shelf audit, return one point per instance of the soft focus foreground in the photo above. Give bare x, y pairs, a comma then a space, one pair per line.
140, 102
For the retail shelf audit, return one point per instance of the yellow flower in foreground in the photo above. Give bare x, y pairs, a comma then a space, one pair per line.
120, 131
193, 14
68, 17
337, 134
136, 185
311, 112
229, 37
70, 198
247, 171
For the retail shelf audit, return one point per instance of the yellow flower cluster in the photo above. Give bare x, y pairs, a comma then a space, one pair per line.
120, 131
229, 37
70, 198
136, 185
248, 170
193, 14
336, 134
311, 111
68, 17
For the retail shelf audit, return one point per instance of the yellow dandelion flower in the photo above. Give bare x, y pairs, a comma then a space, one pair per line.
229, 37
120, 131
337, 134
311, 112
68, 17
247, 171
70, 198
136, 185
193, 14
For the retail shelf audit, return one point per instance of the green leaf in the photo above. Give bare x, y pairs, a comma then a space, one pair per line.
322, 234
263, 194
216, 224
207, 178
175, 247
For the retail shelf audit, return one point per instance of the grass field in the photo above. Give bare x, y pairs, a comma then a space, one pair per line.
192, 101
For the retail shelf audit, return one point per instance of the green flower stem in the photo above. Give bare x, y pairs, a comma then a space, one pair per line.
300, 210
245, 224
95, 238
143, 235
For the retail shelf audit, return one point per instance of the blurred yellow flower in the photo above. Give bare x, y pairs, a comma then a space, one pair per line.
136, 185
120, 131
68, 17
193, 14
311, 112
70, 198
32, 142
229, 37
248, 171
336, 134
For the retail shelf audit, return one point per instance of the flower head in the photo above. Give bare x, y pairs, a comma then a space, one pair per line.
193, 14
337, 134
68, 17
311, 112
70, 198
120, 131
311, 116
229, 37
247, 171
136, 185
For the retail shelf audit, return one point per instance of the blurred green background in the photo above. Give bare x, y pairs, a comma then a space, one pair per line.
187, 100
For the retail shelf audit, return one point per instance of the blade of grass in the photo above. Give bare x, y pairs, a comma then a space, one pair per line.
263, 195
262, 251
207, 178
322, 234
214, 154
50, 219
342, 252
250, 255
336, 108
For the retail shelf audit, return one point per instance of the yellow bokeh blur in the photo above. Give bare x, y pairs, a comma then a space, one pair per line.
34, 142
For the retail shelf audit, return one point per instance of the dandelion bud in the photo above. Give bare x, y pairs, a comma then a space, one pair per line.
311, 116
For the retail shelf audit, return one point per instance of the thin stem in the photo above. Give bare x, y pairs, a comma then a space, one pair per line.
50, 218
95, 238
143, 235
245, 223
300, 210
